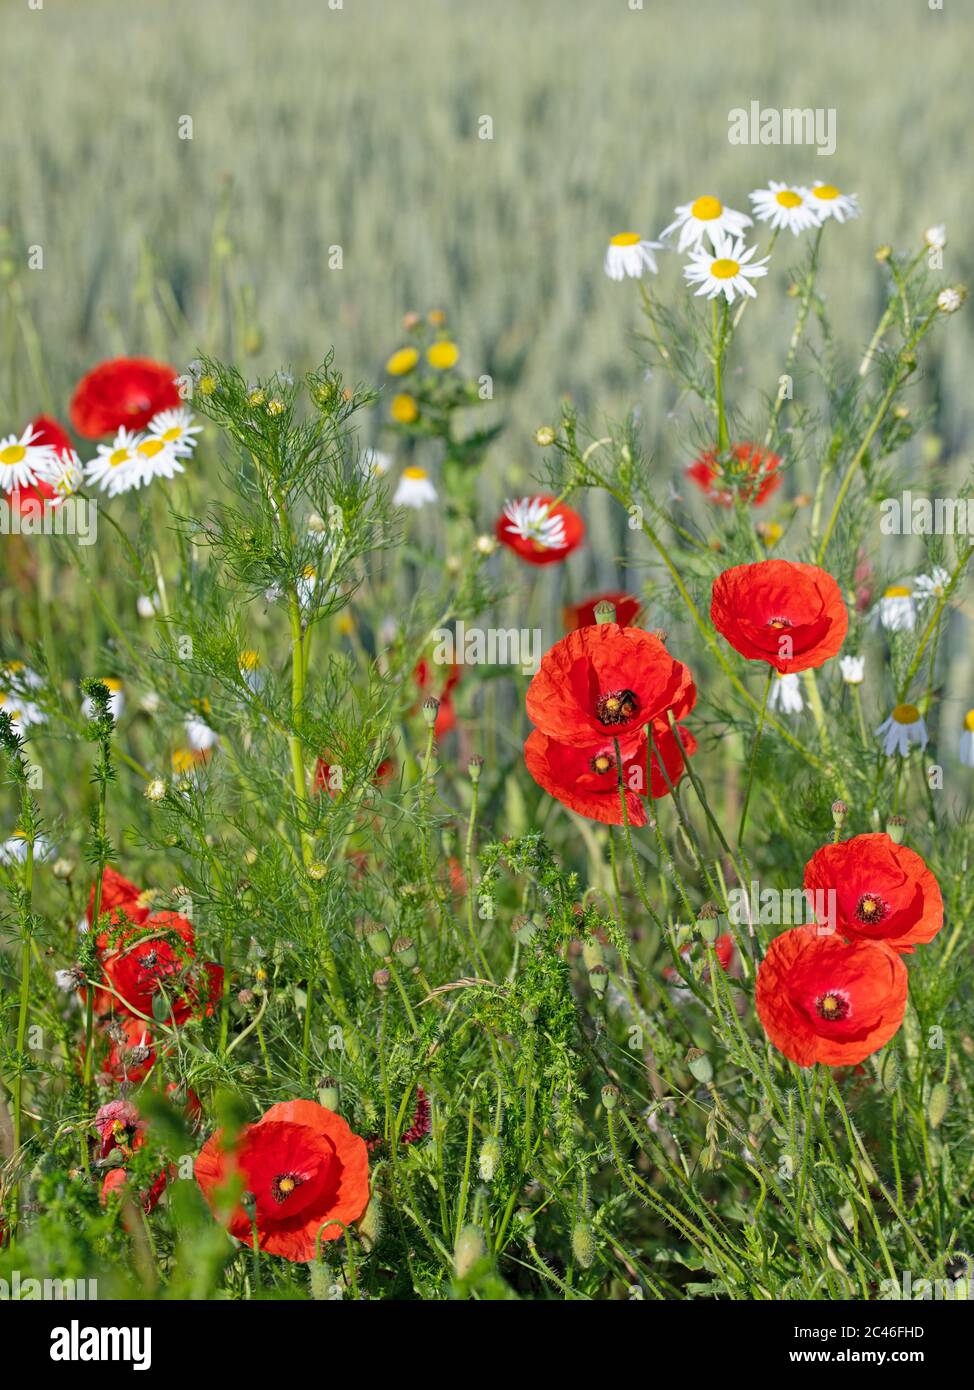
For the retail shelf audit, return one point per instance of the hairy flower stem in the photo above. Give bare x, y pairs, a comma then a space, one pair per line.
22, 1017
720, 345
806, 299
753, 758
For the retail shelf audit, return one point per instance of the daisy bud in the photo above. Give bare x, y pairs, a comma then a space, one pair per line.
381, 979
708, 924
378, 939
598, 978
896, 829
207, 385
592, 952
699, 1065
839, 812
544, 436
405, 952
155, 790
470, 1248
610, 1096
523, 929
431, 707
490, 1157
605, 611
410, 321
275, 406
901, 412
950, 300
530, 1014
473, 768
883, 253
62, 868
317, 870
328, 1092
937, 1105
486, 545
583, 1244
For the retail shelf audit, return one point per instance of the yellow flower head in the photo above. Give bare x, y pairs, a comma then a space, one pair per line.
402, 361
404, 409
443, 355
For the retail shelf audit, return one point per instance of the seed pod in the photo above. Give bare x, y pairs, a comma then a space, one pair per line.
699, 1064
524, 930
328, 1093
839, 812
937, 1105
474, 768
896, 829
431, 707
598, 978
381, 978
470, 1248
707, 923
592, 952
490, 1157
610, 1096
605, 611
405, 952
377, 939
583, 1244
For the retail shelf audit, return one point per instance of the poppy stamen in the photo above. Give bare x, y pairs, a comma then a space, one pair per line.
618, 707
833, 1006
871, 908
602, 763
284, 1184
779, 623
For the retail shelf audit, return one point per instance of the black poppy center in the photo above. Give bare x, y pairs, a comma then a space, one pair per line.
602, 763
832, 1006
618, 707
284, 1184
871, 909
779, 623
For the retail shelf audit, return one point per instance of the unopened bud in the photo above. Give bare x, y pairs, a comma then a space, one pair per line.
937, 1105
523, 929
592, 952
839, 812
62, 868
490, 1158
470, 1248
431, 708
583, 1244
474, 767
544, 436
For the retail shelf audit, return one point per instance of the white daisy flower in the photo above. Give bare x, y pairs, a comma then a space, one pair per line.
176, 430
116, 699
936, 237
22, 461
115, 467
853, 669
16, 681
950, 300
726, 270
250, 672
66, 476
306, 585
375, 462
896, 610
414, 490
706, 216
786, 694
931, 586
967, 740
903, 730
629, 254
528, 517
829, 202
786, 206
199, 735
147, 605
155, 459
14, 849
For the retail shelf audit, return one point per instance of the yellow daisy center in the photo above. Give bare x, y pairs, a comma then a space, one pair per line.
705, 209
118, 457
828, 191
969, 721
897, 591
249, 660
111, 683
788, 199
625, 239
443, 355
173, 434
404, 409
13, 454
308, 572
906, 714
724, 269
415, 474
183, 759
150, 447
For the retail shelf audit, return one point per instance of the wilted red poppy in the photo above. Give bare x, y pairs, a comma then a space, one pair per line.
119, 1126
607, 681
881, 891
583, 614
540, 530
132, 1051
788, 614
586, 779
125, 391
304, 1168
826, 1000
716, 478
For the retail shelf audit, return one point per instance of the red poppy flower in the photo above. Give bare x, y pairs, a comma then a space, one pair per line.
716, 479
790, 615
583, 614
586, 779
119, 1126
125, 391
607, 682
825, 1000
323, 775
304, 1167
723, 949
881, 891
132, 1051
541, 533
116, 1179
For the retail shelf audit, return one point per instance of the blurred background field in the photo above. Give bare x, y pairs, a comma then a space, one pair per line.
358, 128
